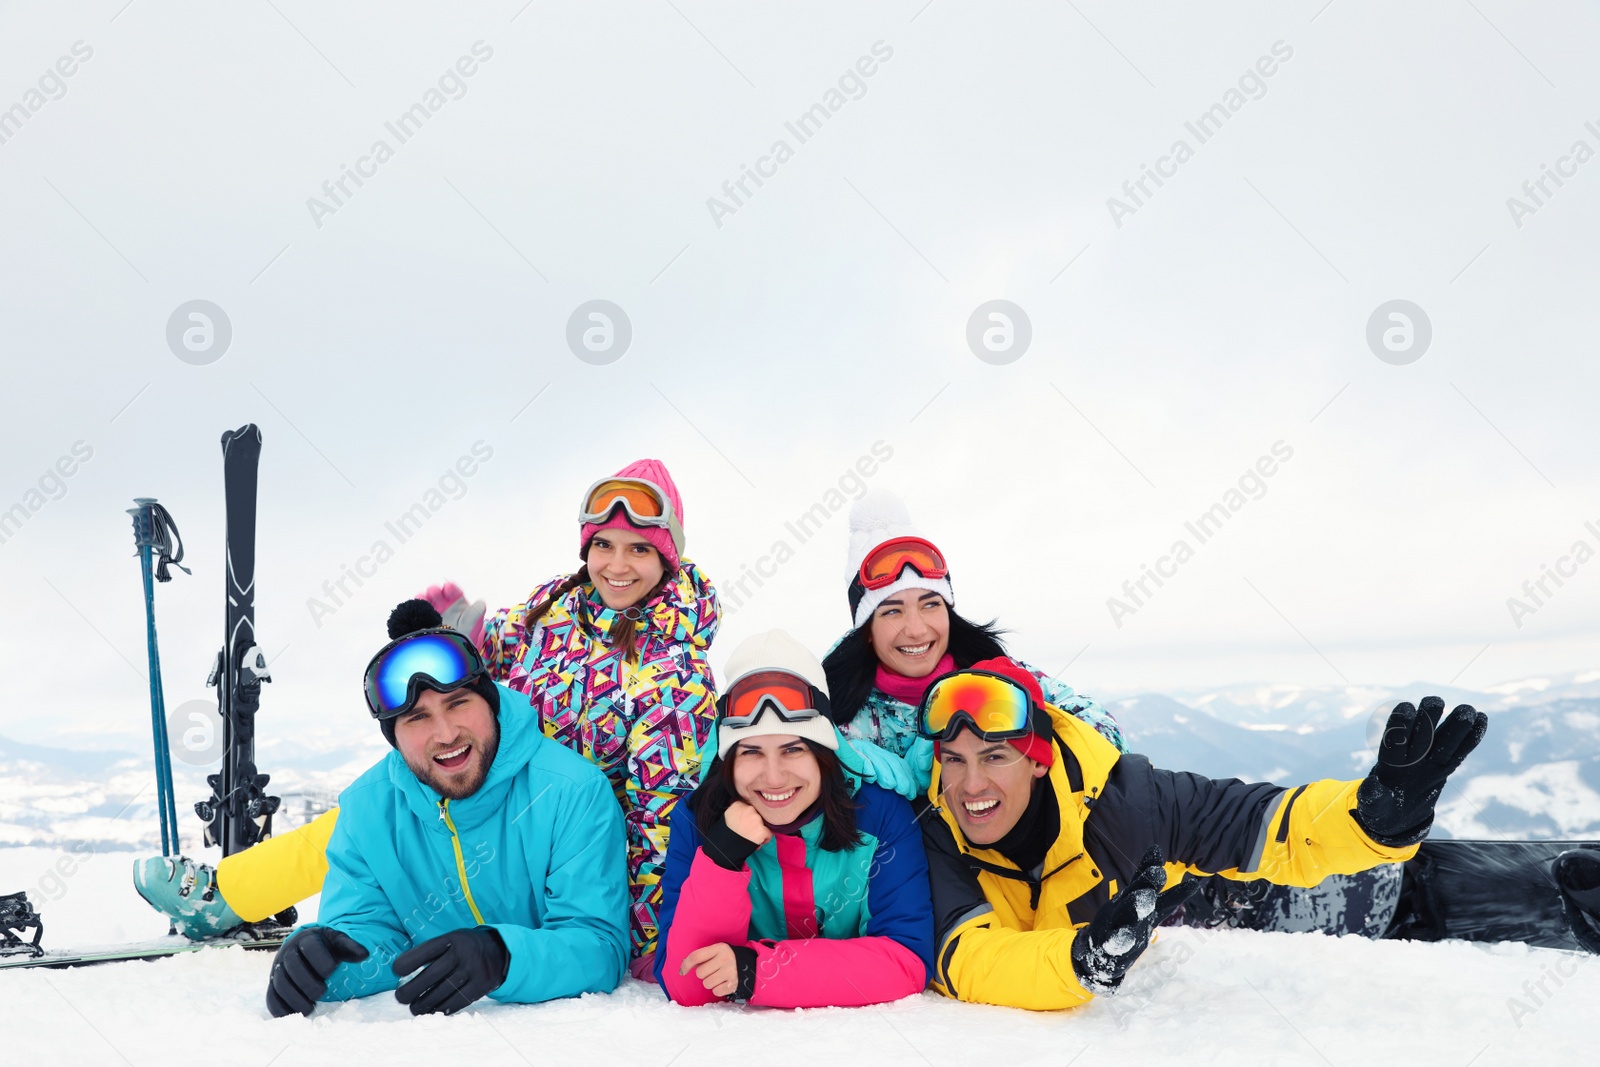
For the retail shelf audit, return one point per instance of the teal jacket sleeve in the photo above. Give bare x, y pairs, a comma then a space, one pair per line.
581, 945
353, 903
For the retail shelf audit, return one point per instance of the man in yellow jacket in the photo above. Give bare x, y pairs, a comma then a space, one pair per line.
1048, 849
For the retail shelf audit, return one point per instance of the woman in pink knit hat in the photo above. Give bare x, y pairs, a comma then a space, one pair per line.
613, 658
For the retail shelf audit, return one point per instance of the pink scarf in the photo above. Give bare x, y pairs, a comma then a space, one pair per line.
911, 690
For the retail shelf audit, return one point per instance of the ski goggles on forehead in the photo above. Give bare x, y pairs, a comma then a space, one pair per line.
883, 564
997, 708
438, 659
788, 696
644, 502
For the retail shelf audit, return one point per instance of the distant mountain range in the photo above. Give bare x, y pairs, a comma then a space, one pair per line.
1536, 775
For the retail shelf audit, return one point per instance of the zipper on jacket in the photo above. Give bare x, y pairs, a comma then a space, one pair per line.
1035, 881
461, 863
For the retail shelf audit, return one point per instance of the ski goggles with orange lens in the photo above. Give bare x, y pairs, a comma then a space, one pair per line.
789, 696
884, 564
644, 502
996, 708
440, 659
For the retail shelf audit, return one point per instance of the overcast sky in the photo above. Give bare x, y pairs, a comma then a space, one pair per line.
1355, 154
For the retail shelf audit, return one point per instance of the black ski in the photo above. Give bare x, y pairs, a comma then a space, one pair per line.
239, 812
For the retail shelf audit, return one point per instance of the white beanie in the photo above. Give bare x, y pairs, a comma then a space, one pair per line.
877, 517
776, 650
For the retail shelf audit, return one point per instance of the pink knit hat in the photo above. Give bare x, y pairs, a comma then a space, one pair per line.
654, 471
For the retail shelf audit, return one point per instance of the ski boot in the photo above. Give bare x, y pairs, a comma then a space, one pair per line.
1577, 874
186, 892
16, 916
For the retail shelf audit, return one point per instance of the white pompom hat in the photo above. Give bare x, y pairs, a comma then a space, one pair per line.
877, 517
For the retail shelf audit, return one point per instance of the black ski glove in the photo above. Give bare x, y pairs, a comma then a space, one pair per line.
726, 846
302, 966
457, 969
1394, 805
1103, 951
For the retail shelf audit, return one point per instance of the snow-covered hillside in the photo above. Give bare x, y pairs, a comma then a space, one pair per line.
1225, 997
1535, 776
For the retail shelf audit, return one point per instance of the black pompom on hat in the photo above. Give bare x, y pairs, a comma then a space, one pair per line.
409, 616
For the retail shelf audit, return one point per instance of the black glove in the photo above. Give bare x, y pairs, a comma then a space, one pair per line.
1394, 805
302, 966
726, 846
457, 969
1119, 932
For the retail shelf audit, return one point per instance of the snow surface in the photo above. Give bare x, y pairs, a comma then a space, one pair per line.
1205, 997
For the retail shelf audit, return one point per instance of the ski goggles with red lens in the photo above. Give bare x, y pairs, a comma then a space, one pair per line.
884, 564
438, 659
994, 707
788, 696
644, 502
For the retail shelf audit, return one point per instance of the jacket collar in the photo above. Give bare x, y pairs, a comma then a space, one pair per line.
676, 608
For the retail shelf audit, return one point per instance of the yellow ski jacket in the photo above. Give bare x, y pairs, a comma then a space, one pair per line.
1004, 936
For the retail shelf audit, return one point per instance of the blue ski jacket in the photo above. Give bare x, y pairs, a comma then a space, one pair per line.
538, 853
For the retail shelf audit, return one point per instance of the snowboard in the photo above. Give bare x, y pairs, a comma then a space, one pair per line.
157, 948
1484, 891
1466, 890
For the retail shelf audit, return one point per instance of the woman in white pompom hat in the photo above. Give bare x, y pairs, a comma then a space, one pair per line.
905, 632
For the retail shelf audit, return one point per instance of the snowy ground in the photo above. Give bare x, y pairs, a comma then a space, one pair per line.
1230, 997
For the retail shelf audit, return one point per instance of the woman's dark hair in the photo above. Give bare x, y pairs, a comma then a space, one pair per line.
852, 666
716, 793
624, 631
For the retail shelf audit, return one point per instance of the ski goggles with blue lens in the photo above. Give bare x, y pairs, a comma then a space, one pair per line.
439, 659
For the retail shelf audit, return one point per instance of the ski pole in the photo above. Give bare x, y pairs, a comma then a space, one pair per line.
154, 533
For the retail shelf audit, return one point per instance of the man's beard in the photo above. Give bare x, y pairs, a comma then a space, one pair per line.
459, 789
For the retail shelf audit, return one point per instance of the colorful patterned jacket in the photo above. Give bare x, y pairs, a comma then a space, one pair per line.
892, 724
643, 723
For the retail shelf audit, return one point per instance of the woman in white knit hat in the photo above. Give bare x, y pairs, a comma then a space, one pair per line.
905, 633
790, 882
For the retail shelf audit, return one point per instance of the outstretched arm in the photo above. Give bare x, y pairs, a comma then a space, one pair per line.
1294, 836
1239, 830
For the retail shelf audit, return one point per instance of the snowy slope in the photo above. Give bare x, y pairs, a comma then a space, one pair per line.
1226, 997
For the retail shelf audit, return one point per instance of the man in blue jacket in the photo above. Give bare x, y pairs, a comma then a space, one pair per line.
478, 858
